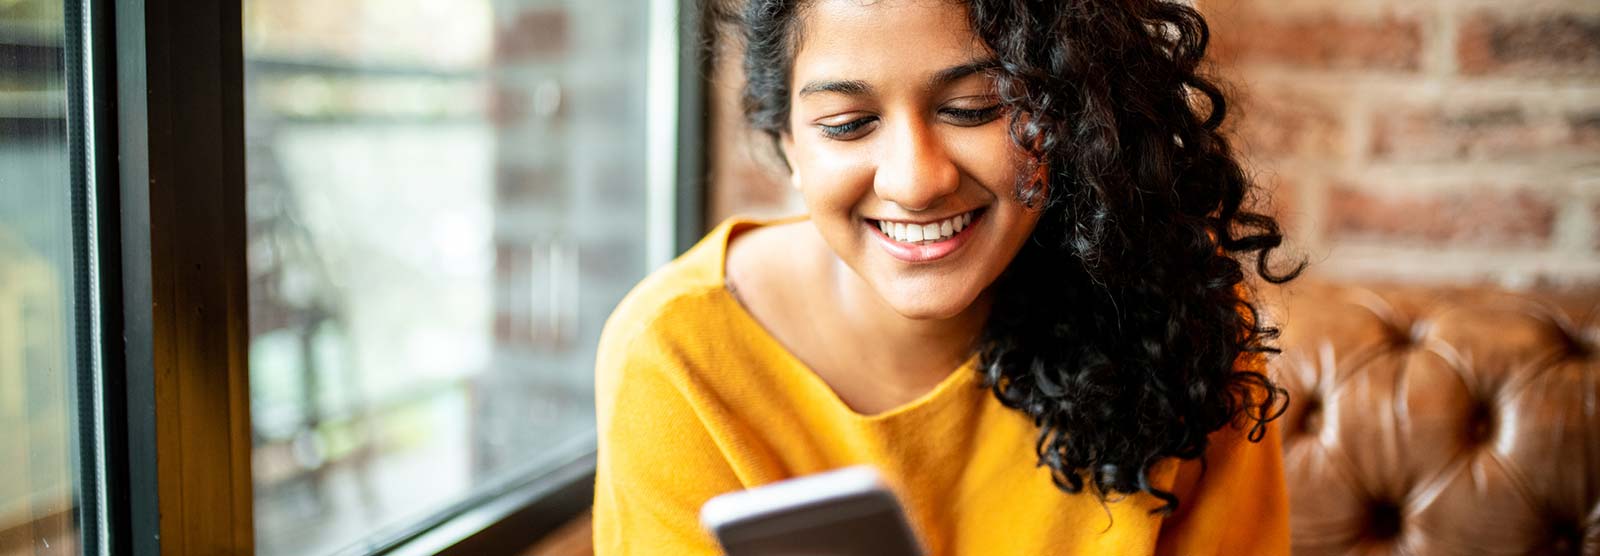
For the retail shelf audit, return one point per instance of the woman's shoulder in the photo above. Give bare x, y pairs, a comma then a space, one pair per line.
676, 289
685, 300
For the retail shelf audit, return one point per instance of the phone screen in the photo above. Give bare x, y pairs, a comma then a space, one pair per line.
846, 512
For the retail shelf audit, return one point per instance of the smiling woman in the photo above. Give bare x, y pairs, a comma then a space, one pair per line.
877, 137
1017, 292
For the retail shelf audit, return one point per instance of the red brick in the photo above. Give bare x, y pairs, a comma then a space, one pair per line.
1563, 43
1286, 123
755, 188
1500, 133
1277, 196
747, 176
1488, 218
537, 33
1325, 41
1280, 198
1584, 130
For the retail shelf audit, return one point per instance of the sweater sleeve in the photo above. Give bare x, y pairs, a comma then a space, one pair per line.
656, 462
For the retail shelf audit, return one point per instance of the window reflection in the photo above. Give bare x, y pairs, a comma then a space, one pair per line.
445, 201
37, 370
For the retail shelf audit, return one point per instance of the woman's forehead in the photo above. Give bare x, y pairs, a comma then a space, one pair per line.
887, 39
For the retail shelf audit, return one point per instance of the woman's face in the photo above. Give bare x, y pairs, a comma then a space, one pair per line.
894, 123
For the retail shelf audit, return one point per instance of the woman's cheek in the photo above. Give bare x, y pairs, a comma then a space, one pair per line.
987, 154
836, 177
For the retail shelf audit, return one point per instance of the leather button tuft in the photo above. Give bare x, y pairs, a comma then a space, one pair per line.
1399, 337
1480, 425
1384, 521
1311, 421
1565, 539
1402, 335
1579, 347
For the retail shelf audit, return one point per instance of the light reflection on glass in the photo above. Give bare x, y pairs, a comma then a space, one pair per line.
38, 370
444, 204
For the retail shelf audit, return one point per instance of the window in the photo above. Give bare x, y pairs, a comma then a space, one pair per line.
446, 199
354, 253
49, 381
38, 492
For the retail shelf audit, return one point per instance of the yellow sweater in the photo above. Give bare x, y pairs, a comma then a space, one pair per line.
694, 398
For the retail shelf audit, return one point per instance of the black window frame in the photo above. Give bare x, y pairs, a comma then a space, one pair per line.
160, 83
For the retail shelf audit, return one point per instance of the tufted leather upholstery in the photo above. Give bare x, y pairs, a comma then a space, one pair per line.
1440, 421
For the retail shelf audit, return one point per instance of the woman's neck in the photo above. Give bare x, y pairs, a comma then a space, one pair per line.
914, 351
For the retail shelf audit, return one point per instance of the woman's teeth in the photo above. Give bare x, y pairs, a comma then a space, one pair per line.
937, 231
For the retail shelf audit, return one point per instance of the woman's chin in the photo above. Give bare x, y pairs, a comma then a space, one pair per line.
927, 305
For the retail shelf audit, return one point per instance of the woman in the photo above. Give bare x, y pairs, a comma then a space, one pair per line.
1016, 293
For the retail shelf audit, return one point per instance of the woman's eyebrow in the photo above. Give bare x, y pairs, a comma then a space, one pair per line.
951, 74
843, 87
858, 87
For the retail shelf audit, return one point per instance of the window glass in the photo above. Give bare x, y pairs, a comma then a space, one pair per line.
38, 370
445, 201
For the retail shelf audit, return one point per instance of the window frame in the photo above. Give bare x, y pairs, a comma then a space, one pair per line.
180, 199
165, 93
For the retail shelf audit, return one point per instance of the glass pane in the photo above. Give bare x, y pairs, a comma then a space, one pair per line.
38, 369
444, 200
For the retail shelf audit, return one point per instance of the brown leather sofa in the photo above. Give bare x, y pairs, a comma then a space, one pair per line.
1440, 421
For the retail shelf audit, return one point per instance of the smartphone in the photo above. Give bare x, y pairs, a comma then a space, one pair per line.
844, 512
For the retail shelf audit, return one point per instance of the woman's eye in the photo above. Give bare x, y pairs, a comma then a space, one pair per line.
973, 116
846, 131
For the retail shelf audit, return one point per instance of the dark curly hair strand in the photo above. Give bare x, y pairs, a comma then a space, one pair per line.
1122, 327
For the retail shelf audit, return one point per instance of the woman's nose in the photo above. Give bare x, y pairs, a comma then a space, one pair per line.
917, 171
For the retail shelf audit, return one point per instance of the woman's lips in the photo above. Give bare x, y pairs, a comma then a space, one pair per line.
923, 252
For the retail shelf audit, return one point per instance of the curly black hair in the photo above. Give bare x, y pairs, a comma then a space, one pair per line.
1122, 327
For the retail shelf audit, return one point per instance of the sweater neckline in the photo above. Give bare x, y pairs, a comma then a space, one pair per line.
794, 370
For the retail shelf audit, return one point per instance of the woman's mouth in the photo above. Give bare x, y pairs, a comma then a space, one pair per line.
916, 242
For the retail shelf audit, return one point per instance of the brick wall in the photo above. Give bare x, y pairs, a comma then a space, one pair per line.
747, 177
1443, 141
1449, 141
